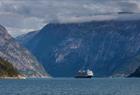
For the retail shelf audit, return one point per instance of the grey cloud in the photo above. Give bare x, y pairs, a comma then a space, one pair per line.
129, 6
23, 15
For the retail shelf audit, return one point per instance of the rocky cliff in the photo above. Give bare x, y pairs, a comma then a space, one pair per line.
20, 57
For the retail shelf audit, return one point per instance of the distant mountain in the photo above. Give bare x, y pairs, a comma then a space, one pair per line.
20, 57
24, 38
7, 69
109, 48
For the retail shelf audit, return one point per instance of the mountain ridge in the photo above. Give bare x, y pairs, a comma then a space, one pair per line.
109, 45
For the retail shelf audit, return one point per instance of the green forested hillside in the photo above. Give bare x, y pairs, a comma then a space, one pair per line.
7, 69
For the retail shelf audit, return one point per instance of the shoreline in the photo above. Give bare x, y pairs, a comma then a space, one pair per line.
12, 77
22, 77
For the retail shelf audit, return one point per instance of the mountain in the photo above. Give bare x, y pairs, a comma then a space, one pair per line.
136, 73
24, 38
20, 57
7, 69
109, 48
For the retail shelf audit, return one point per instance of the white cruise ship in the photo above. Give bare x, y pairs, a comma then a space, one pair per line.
84, 74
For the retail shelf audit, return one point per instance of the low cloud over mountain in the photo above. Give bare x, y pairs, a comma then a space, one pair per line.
27, 15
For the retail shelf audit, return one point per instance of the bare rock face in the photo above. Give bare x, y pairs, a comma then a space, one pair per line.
109, 48
20, 57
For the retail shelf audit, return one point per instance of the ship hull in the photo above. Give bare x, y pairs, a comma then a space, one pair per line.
83, 76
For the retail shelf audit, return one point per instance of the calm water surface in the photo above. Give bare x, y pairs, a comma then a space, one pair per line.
70, 87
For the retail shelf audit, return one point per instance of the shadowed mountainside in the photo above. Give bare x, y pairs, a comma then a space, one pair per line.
109, 48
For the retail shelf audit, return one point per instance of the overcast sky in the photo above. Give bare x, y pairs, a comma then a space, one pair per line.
22, 16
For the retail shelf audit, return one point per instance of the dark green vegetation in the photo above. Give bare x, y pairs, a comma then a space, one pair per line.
7, 69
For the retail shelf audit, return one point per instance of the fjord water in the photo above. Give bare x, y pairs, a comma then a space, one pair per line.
96, 86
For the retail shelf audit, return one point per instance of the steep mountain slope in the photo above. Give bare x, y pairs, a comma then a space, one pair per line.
136, 73
109, 48
7, 69
20, 58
